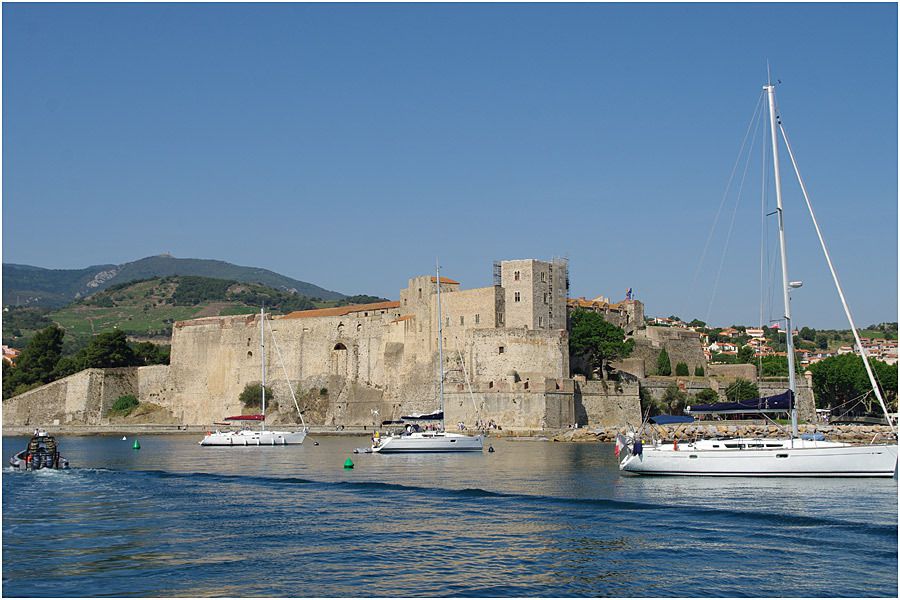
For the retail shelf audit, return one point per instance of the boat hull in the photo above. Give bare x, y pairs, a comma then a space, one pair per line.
253, 438
51, 463
804, 460
429, 442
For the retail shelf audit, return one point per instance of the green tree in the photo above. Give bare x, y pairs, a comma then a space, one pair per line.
746, 355
839, 379
597, 340
251, 397
648, 404
697, 323
706, 396
698, 371
663, 364
807, 334
36, 363
822, 341
681, 369
740, 390
674, 400
106, 350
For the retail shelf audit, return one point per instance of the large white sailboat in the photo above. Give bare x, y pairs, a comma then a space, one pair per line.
790, 456
413, 440
262, 436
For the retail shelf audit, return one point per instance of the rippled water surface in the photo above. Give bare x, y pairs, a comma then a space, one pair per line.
531, 519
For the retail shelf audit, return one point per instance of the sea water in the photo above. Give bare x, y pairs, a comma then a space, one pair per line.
533, 518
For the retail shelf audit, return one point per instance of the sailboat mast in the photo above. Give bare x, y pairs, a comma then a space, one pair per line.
789, 336
262, 360
440, 339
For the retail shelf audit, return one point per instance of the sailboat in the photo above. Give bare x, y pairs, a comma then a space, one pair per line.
413, 440
262, 436
793, 456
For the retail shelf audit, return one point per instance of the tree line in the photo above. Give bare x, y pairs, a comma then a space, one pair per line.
42, 361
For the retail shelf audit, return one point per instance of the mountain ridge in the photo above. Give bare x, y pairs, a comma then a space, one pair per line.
39, 286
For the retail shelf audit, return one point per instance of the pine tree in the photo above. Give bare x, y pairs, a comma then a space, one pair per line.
663, 365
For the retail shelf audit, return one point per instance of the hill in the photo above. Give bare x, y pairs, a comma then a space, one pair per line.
35, 286
146, 309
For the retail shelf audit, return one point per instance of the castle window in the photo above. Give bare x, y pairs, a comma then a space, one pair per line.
545, 298
540, 321
365, 314
501, 350
477, 319
249, 354
499, 318
516, 275
518, 296
462, 320
420, 292
543, 277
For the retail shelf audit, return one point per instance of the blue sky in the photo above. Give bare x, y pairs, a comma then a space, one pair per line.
348, 145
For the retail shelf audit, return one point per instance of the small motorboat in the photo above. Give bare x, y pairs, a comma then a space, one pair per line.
42, 453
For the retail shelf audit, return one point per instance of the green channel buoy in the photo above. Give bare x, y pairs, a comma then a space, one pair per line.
348, 464
137, 445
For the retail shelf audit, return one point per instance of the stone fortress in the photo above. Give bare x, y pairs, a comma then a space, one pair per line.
506, 359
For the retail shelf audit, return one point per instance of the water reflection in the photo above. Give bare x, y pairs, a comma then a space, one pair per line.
533, 518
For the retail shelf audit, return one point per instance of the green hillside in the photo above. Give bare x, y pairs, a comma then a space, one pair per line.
25, 285
147, 309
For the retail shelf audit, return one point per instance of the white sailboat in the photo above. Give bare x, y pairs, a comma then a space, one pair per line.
431, 441
262, 436
792, 456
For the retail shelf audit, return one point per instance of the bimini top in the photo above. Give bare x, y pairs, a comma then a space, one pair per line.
670, 419
436, 415
777, 403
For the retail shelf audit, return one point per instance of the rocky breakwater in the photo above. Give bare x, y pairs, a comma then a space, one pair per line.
835, 433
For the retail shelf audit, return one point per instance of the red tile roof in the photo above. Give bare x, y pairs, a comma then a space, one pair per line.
444, 280
340, 311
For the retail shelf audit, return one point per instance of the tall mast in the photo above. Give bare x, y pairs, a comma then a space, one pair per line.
789, 336
262, 360
440, 337
837, 282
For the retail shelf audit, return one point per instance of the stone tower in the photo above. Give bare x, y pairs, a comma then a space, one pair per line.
535, 292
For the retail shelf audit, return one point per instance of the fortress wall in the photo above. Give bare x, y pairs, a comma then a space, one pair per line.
152, 386
607, 403
531, 354
682, 345
511, 410
80, 398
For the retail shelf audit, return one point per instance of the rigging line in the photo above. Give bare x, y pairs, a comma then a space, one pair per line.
837, 283
284, 370
737, 160
466, 375
737, 203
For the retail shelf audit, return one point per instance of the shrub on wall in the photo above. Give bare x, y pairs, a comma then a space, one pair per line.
124, 405
251, 397
681, 369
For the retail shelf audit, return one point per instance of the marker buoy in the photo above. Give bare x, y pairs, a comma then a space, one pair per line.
137, 445
315, 443
348, 464
124, 438
490, 448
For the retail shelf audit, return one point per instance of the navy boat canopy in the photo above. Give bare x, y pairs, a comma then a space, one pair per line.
670, 419
777, 403
432, 416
